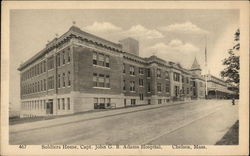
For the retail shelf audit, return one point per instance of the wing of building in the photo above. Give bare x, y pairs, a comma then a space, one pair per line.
78, 72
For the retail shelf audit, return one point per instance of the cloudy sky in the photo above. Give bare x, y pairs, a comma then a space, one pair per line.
174, 35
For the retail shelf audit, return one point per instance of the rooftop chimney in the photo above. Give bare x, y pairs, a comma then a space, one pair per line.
130, 45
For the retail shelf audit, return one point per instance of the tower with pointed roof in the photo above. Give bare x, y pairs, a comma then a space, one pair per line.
196, 69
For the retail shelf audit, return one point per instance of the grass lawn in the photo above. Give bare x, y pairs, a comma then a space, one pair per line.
231, 137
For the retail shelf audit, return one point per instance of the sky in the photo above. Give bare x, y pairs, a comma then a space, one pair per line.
171, 34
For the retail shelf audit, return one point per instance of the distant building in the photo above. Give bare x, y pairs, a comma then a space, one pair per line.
219, 89
79, 72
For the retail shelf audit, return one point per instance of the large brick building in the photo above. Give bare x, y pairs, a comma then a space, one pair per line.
80, 72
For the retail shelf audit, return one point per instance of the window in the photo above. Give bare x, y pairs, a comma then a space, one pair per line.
58, 81
107, 81
140, 70
44, 66
38, 86
167, 88
35, 68
149, 88
124, 85
38, 69
183, 90
101, 80
159, 101
51, 82
95, 79
63, 57
141, 97
35, 87
102, 103
158, 73
58, 104
201, 85
44, 83
94, 58
41, 68
176, 90
68, 101
123, 68
148, 73
158, 87
176, 77
141, 82
132, 70
132, 85
44, 101
166, 75
107, 61
95, 103
50, 62
101, 60
63, 104
194, 84
33, 71
69, 79
41, 83
68, 53
187, 90
187, 80
41, 104
108, 102
63, 79
58, 63
182, 79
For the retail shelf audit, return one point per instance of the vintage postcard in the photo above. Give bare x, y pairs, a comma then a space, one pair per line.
125, 78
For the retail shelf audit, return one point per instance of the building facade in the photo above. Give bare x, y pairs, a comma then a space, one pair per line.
79, 72
219, 89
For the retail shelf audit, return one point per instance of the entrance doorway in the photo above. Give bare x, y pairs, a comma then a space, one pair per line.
49, 106
133, 102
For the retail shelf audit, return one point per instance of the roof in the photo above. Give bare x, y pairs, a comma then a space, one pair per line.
73, 30
195, 64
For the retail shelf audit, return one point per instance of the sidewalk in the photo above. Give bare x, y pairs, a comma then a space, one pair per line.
85, 116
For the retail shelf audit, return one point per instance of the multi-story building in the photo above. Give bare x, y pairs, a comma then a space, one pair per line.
79, 72
219, 89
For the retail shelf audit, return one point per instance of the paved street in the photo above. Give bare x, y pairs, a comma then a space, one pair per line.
196, 122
